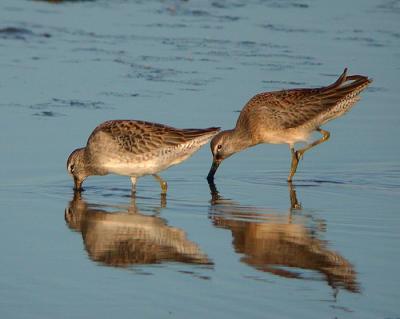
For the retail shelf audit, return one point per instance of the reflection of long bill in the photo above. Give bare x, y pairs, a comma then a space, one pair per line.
77, 184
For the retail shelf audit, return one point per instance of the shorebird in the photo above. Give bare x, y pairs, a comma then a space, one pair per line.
135, 148
123, 236
288, 117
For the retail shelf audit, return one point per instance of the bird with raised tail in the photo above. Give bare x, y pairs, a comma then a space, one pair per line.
135, 148
288, 117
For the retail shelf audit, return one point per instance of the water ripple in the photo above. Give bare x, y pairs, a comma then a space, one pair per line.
18, 33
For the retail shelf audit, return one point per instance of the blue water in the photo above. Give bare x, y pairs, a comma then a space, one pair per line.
254, 247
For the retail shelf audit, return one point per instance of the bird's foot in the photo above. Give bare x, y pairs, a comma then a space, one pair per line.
299, 154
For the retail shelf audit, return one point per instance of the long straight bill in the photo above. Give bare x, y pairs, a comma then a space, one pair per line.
213, 169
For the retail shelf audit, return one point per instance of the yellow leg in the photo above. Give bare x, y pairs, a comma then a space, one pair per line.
324, 138
163, 184
293, 167
294, 203
297, 155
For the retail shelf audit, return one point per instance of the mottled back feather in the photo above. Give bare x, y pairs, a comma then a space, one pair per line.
293, 108
138, 137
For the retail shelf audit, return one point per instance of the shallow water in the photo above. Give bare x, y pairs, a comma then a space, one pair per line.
254, 246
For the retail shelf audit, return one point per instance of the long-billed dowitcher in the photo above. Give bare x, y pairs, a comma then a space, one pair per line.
288, 117
135, 148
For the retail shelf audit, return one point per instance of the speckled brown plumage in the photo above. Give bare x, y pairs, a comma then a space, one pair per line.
288, 116
288, 109
135, 148
139, 137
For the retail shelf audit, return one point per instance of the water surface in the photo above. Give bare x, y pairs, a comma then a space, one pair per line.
250, 246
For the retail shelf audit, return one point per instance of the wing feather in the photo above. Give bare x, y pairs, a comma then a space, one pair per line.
138, 137
293, 108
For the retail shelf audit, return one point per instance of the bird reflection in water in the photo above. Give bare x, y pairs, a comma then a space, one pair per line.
127, 237
286, 245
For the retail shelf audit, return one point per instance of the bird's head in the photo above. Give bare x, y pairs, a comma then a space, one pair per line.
76, 167
222, 146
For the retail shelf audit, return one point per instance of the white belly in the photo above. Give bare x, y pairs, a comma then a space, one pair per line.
290, 136
135, 168
139, 166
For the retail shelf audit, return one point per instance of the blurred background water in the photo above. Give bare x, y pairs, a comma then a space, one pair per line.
328, 247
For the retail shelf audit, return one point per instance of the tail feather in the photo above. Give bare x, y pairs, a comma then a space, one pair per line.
339, 81
339, 97
193, 133
346, 86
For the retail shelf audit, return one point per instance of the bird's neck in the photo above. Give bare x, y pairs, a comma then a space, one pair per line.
88, 168
240, 140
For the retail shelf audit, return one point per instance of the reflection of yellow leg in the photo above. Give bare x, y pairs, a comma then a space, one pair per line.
132, 209
163, 184
133, 180
163, 200
297, 155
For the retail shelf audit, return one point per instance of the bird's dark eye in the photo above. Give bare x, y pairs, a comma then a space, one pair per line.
219, 147
71, 168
